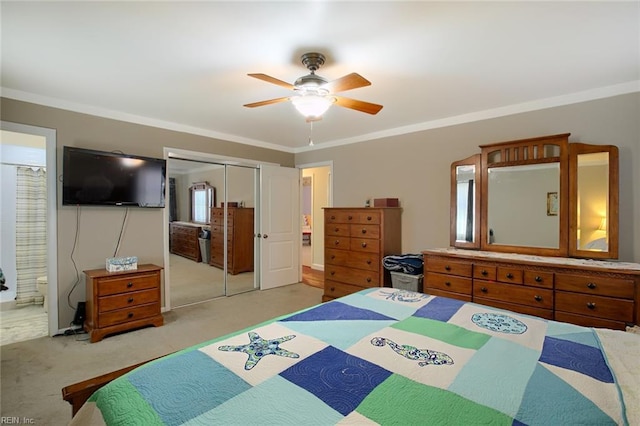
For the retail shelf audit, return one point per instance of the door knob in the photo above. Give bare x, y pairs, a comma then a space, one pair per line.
265, 236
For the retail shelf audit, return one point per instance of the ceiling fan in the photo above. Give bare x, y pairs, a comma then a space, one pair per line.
315, 94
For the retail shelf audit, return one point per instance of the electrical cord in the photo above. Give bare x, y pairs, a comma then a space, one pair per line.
73, 249
124, 221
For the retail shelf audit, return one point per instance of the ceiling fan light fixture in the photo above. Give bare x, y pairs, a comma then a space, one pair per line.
312, 106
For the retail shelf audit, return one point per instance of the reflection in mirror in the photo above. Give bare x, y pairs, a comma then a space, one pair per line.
203, 197
465, 202
593, 196
522, 207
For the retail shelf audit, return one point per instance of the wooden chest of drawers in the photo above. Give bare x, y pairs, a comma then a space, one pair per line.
183, 240
589, 293
122, 301
240, 239
356, 241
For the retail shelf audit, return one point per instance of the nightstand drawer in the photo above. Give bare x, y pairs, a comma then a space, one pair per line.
128, 315
108, 286
132, 299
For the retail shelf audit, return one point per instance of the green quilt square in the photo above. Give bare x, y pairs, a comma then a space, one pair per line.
443, 331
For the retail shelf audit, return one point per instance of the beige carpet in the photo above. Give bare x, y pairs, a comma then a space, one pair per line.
34, 372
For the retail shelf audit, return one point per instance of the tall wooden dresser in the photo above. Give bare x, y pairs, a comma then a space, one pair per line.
355, 242
183, 240
580, 291
122, 301
240, 239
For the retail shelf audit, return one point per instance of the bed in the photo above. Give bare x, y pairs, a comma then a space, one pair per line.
386, 356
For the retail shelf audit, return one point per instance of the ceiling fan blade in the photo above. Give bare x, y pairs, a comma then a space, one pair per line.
362, 106
269, 102
273, 80
348, 82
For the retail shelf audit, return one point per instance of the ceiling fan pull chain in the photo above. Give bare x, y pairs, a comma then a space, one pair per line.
310, 133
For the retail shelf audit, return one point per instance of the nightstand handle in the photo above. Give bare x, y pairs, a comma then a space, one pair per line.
591, 305
591, 286
130, 300
538, 298
130, 315
129, 284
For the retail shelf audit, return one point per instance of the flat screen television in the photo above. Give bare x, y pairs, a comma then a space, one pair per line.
100, 178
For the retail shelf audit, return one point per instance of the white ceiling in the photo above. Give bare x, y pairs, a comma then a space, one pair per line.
184, 65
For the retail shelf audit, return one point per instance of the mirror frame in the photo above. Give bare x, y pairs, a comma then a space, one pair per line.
576, 149
474, 160
532, 151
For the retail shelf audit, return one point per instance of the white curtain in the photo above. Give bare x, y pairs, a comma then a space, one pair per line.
31, 232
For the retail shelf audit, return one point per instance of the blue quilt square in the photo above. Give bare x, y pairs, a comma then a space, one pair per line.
440, 308
574, 356
169, 383
341, 380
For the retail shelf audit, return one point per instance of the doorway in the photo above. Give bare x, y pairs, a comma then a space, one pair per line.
28, 257
316, 194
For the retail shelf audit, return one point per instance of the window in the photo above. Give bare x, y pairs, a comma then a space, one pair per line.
203, 197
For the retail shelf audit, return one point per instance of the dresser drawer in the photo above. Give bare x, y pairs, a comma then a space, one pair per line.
359, 277
365, 231
523, 309
443, 266
353, 216
509, 275
108, 286
448, 283
338, 229
337, 289
517, 294
449, 294
589, 321
602, 286
132, 299
365, 245
368, 261
128, 315
538, 279
370, 217
484, 272
596, 306
336, 242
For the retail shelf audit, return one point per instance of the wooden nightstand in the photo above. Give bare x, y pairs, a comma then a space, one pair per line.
122, 301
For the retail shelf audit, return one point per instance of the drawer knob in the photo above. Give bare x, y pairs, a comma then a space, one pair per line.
332, 289
538, 298
369, 218
350, 217
333, 256
368, 279
369, 262
130, 315
130, 300
591, 285
509, 275
332, 217
129, 284
484, 289
337, 242
538, 279
336, 229
484, 272
363, 245
447, 283
364, 231
448, 268
332, 273
591, 305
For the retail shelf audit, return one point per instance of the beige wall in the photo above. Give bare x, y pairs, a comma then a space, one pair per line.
99, 227
415, 167
412, 167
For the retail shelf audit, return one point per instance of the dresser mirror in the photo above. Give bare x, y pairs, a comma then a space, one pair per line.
465, 196
593, 185
542, 196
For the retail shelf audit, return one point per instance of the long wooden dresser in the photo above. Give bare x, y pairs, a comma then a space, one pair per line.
239, 223
183, 240
355, 242
581, 291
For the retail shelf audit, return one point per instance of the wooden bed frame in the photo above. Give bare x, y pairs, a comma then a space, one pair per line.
78, 393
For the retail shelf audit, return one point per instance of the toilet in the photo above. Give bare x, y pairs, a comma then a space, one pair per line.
41, 282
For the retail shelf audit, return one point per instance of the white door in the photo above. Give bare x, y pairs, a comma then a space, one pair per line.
280, 233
